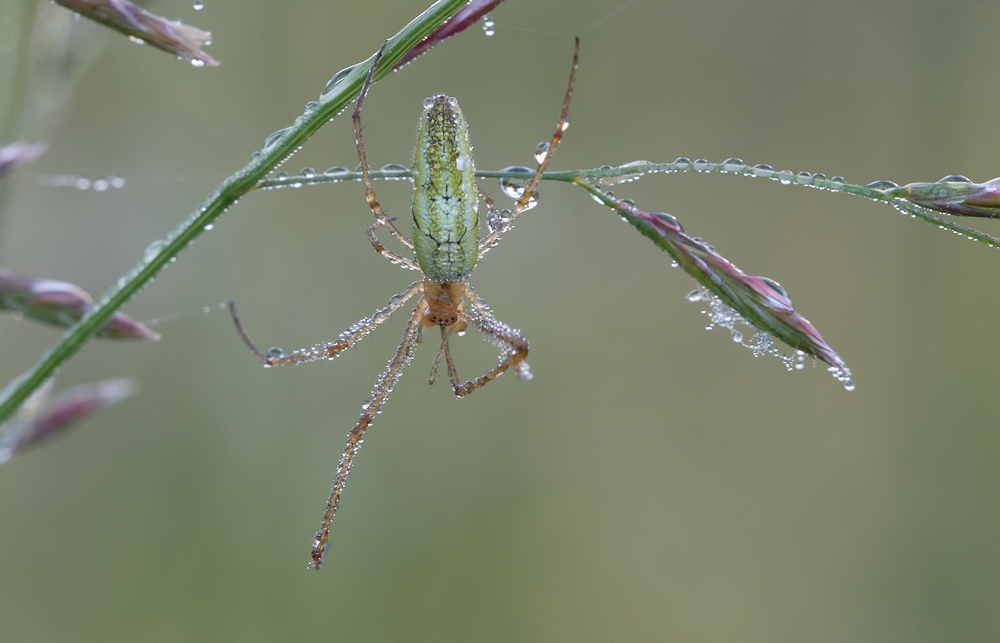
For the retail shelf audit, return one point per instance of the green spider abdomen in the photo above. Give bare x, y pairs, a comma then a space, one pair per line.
445, 215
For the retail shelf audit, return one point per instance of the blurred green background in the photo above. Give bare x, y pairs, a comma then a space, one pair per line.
654, 481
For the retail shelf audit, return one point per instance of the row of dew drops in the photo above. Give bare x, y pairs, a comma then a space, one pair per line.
737, 166
730, 166
82, 183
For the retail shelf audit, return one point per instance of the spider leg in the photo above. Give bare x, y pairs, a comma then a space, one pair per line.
486, 197
491, 209
388, 254
529, 190
329, 350
513, 356
380, 215
445, 336
383, 387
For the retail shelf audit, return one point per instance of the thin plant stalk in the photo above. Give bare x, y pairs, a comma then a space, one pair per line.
882, 191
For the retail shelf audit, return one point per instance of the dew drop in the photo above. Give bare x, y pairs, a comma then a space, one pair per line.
785, 176
734, 165
138, 41
763, 169
339, 76
429, 102
881, 185
198, 5
488, 26
701, 165
197, 62
273, 138
307, 172
514, 186
669, 219
804, 178
955, 178
275, 353
541, 150
209, 227
682, 163
695, 295
737, 336
153, 249
775, 286
100, 185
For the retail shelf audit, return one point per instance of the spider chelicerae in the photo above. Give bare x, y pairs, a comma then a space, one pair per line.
446, 245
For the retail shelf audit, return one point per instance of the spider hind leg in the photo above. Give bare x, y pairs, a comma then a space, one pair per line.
515, 347
371, 408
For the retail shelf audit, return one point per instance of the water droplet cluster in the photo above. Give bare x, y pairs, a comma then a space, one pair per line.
761, 343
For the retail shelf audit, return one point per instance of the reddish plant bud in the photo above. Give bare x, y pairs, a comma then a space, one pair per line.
62, 304
68, 409
760, 301
954, 195
175, 37
17, 153
460, 21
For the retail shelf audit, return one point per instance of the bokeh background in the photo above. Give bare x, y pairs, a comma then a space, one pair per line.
654, 481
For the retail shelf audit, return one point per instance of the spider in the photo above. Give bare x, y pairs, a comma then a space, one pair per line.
446, 246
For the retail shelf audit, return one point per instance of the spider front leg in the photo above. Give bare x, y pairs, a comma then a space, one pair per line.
491, 239
380, 215
329, 350
383, 387
388, 254
516, 352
